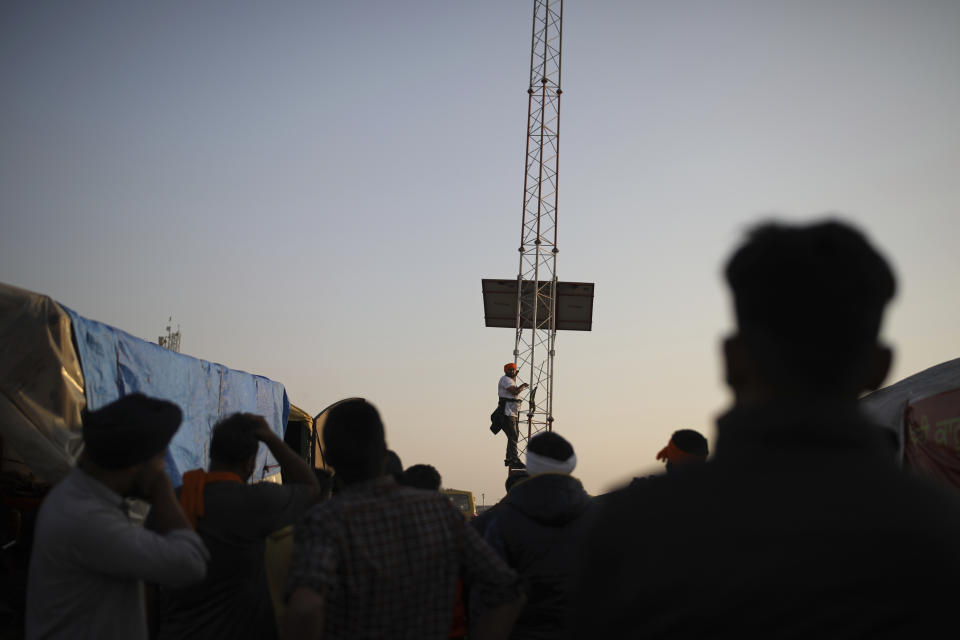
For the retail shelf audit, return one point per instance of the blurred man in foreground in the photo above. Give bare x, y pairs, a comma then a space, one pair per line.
801, 525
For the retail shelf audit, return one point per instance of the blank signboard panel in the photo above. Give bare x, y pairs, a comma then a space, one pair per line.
574, 304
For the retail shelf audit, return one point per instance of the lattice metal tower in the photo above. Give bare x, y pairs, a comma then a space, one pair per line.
536, 329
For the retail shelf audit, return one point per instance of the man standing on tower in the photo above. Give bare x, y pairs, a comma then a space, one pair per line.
508, 409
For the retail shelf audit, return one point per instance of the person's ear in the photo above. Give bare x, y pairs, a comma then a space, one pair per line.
881, 361
743, 374
734, 362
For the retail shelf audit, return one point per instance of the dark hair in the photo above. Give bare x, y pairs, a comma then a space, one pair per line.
690, 441
392, 466
551, 445
233, 441
809, 299
514, 478
354, 440
129, 430
421, 476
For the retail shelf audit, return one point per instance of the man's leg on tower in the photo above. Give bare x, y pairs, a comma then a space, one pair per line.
510, 430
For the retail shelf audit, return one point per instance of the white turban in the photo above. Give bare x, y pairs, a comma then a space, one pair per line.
543, 464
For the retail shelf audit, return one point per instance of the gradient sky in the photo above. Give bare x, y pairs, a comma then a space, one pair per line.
315, 189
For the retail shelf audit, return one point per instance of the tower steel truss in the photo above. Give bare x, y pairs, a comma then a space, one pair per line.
536, 329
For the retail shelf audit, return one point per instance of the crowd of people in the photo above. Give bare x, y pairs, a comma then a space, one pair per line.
801, 524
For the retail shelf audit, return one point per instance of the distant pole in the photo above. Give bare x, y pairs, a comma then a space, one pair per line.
536, 330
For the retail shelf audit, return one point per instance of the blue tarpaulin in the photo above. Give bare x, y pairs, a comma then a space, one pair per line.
116, 363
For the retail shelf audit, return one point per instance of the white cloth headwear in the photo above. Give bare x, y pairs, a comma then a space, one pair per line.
542, 464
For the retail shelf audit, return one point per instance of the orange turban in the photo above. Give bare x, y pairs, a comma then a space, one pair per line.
676, 455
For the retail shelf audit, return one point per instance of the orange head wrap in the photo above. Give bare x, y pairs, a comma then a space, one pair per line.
675, 455
507, 367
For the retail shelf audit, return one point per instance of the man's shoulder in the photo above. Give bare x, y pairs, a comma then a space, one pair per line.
411, 499
72, 500
923, 497
636, 502
482, 521
253, 509
258, 495
262, 490
61, 495
722, 497
54, 519
395, 498
76, 485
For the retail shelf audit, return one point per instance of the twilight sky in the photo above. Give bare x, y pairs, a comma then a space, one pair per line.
315, 189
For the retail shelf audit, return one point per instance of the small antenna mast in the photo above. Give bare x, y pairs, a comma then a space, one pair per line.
170, 341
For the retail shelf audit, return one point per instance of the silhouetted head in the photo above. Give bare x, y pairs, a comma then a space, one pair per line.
129, 430
421, 476
354, 441
549, 452
686, 447
809, 302
514, 478
234, 446
392, 466
125, 440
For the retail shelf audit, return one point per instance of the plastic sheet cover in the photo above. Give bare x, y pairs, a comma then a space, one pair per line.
932, 442
116, 363
885, 406
888, 406
41, 387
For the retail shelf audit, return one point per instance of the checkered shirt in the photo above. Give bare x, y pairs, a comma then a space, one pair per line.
386, 560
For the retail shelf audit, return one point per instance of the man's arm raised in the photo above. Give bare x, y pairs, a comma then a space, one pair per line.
294, 468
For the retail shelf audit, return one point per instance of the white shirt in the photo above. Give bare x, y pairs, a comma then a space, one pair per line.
510, 408
89, 563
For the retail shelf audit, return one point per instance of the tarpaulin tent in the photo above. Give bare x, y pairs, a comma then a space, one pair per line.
45, 382
924, 411
41, 386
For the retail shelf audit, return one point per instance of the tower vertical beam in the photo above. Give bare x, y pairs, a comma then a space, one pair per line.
535, 342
